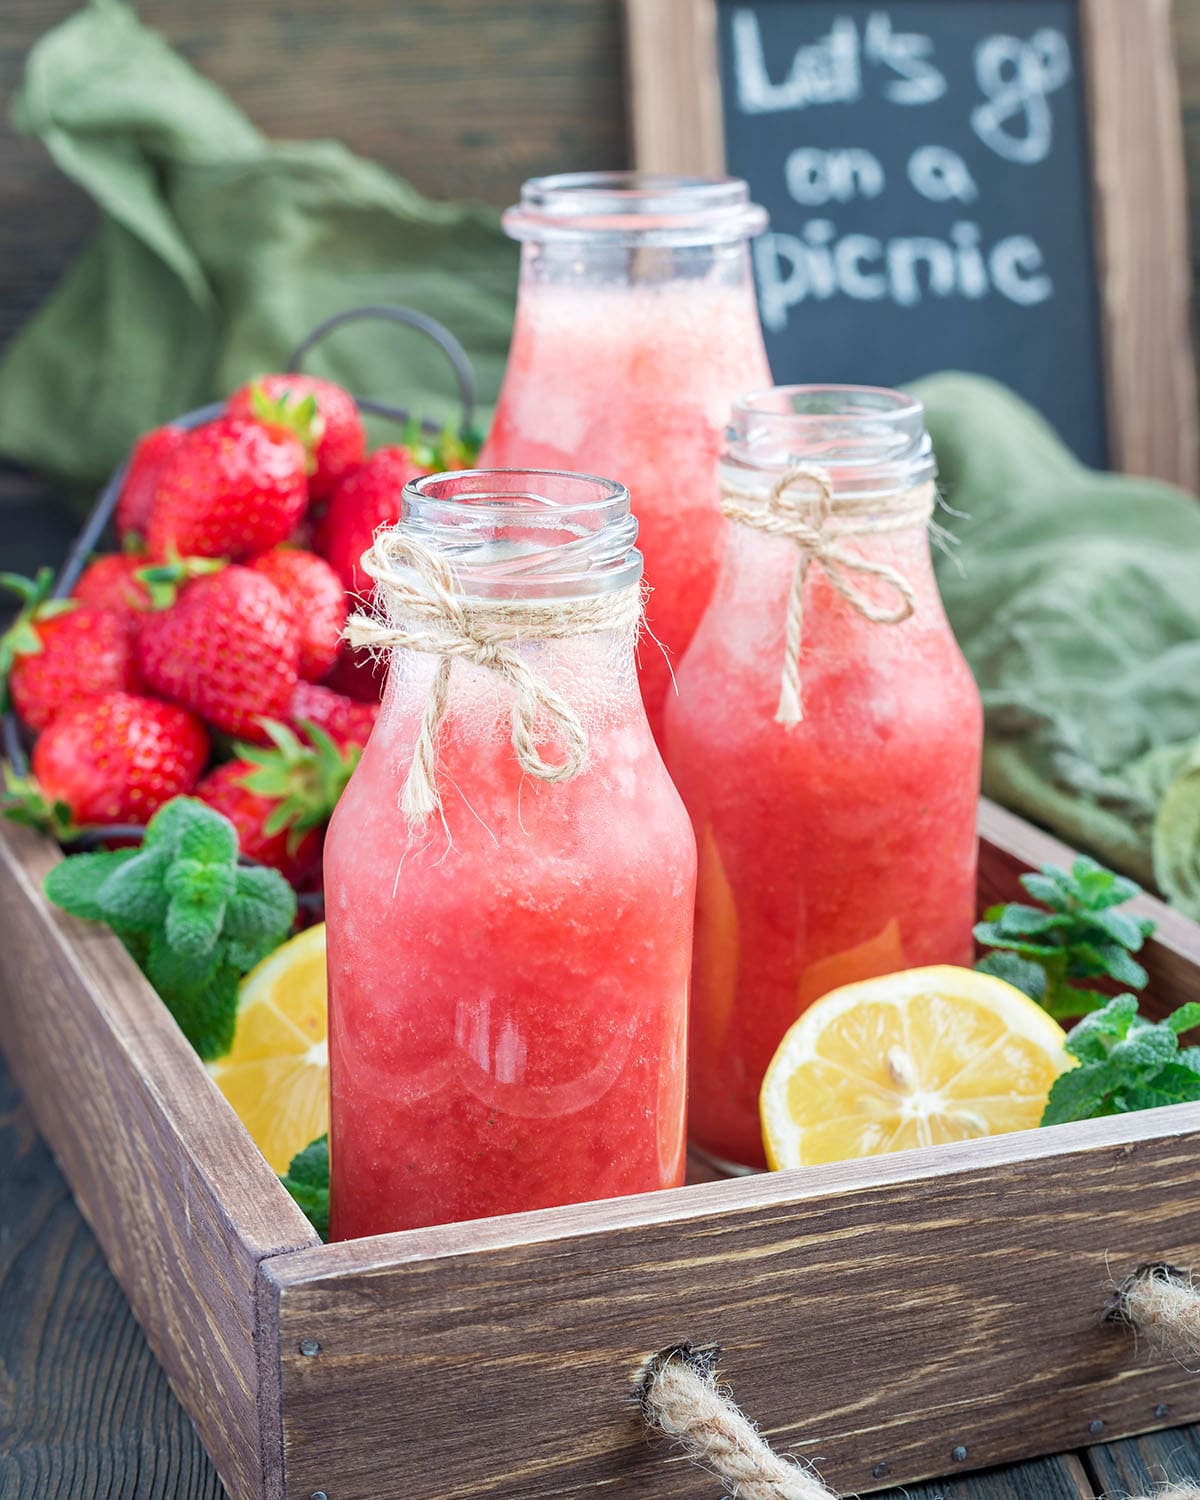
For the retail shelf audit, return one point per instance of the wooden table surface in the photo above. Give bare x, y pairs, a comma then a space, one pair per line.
86, 1412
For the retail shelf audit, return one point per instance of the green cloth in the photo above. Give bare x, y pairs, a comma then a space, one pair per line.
1076, 598
218, 251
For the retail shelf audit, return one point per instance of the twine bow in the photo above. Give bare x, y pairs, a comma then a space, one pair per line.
418, 606
800, 506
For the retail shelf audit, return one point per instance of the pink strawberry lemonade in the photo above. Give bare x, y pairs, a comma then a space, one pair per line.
508, 990
626, 359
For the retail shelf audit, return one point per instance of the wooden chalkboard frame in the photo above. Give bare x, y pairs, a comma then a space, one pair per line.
1139, 195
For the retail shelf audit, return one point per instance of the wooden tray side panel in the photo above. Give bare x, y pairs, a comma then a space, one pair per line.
871, 1313
179, 1198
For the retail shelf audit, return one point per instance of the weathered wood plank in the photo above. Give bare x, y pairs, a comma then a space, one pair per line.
182, 1202
883, 1311
1045, 1479
84, 1407
1140, 1465
1141, 209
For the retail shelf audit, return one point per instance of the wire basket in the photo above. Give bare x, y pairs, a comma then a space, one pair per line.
12, 734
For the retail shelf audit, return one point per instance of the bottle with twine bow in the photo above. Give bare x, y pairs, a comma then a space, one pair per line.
510, 874
826, 737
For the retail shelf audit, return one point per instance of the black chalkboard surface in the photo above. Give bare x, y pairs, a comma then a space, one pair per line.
926, 167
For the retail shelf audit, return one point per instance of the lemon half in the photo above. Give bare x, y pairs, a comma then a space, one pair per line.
909, 1059
276, 1075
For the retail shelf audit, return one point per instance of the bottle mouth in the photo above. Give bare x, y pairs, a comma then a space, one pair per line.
638, 208
872, 440
526, 533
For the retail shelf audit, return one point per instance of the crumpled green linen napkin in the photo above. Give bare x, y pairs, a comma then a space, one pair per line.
1076, 598
218, 251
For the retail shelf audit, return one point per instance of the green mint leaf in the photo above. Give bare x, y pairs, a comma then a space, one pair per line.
74, 884
1067, 1001
990, 933
201, 994
1146, 1048
1028, 977
1029, 921
1047, 888
1110, 959
134, 894
259, 915
307, 1179
1190, 1058
1130, 932
173, 818
1093, 1039
1172, 1084
1083, 1093
208, 838
1186, 1018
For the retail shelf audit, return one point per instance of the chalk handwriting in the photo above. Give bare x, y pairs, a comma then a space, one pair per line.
1016, 77
818, 264
815, 177
827, 72
908, 54
941, 175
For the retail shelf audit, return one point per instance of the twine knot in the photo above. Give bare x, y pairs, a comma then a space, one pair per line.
680, 1397
800, 506
418, 606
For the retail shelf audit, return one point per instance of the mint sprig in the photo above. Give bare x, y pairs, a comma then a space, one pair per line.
307, 1179
1126, 1063
1075, 935
194, 919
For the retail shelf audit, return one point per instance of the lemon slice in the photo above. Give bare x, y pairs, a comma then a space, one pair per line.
276, 1075
910, 1059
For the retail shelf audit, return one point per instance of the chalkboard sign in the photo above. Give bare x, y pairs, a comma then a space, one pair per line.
952, 184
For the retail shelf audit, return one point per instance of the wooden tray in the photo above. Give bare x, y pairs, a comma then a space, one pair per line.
890, 1319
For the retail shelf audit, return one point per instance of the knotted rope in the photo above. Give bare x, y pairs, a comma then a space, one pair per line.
1162, 1303
681, 1399
801, 506
418, 606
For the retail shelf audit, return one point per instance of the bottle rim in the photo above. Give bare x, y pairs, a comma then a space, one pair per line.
871, 439
526, 533
635, 208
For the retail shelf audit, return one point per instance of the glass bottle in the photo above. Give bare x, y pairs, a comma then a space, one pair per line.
636, 328
509, 875
826, 738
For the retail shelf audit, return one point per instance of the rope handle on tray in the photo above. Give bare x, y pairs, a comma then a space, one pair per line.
681, 1398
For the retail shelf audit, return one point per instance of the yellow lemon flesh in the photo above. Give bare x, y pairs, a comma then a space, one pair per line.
276, 1075
910, 1059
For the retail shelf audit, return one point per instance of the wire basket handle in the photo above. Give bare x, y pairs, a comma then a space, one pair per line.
434, 331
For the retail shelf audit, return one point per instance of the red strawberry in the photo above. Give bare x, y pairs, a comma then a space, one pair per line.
337, 436
57, 652
118, 758
280, 799
366, 500
141, 478
357, 675
228, 649
231, 487
315, 596
110, 583
343, 720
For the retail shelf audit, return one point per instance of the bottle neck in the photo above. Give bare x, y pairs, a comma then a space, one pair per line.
597, 263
